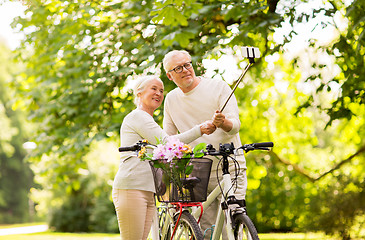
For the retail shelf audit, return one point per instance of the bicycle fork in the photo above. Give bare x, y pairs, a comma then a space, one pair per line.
224, 211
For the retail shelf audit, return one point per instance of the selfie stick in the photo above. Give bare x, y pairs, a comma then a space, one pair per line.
251, 53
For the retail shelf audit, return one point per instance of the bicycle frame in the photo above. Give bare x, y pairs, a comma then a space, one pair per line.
228, 207
179, 207
227, 191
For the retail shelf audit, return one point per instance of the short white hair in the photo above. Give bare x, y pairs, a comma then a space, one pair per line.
166, 60
140, 85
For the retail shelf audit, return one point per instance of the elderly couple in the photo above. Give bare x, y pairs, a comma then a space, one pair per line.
192, 110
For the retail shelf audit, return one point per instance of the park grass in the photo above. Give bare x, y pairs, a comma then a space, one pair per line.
100, 236
295, 236
49, 235
61, 236
6, 226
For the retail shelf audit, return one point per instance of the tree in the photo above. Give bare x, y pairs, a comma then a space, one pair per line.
90, 50
16, 178
80, 62
349, 50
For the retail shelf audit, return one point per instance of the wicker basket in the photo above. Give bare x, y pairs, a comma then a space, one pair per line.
194, 186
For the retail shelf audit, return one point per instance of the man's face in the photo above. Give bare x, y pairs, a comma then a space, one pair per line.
184, 79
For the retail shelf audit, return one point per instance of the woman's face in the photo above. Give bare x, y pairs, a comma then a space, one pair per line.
152, 95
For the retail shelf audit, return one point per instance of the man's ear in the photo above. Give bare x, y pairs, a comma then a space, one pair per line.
169, 76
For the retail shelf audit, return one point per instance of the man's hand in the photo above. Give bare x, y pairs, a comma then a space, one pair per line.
220, 121
207, 127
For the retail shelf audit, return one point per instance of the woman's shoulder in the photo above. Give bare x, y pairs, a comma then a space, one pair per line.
136, 115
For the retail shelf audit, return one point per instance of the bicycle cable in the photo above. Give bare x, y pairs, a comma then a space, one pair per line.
237, 169
233, 180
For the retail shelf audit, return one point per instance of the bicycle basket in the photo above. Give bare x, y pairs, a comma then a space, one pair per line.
194, 185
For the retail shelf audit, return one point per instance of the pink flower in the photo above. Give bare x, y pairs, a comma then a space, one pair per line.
159, 152
172, 149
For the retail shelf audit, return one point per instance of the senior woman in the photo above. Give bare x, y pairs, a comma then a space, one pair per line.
133, 187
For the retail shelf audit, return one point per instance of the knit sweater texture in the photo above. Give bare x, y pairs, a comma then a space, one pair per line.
139, 125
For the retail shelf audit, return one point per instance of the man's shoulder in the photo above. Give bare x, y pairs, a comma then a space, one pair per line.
173, 93
213, 81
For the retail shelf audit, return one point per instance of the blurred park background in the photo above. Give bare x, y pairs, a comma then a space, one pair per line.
65, 89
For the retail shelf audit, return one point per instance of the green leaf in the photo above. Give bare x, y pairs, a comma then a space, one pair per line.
198, 150
171, 16
189, 169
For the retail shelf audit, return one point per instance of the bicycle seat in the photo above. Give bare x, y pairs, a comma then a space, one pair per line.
190, 181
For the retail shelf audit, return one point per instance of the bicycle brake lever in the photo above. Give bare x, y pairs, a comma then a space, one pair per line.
263, 148
247, 147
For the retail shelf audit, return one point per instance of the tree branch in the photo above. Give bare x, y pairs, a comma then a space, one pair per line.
307, 174
361, 150
298, 169
272, 5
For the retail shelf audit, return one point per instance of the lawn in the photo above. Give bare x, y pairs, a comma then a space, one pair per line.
48, 235
295, 236
61, 236
98, 236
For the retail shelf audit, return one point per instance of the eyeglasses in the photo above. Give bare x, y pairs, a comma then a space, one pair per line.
180, 68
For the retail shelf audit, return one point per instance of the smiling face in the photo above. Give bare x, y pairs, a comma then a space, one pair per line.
186, 79
152, 96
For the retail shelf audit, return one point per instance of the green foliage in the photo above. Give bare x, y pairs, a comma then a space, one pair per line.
15, 175
81, 57
83, 212
266, 110
278, 189
88, 190
340, 207
103, 217
75, 210
197, 151
349, 51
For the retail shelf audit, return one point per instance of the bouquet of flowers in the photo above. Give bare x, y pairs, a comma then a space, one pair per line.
174, 158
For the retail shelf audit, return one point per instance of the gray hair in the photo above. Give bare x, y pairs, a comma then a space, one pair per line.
140, 85
166, 60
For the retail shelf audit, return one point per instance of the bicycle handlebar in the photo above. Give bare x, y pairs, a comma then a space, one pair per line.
224, 149
227, 149
130, 148
257, 146
263, 144
135, 147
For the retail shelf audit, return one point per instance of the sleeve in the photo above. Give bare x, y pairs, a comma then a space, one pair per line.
168, 123
231, 110
148, 129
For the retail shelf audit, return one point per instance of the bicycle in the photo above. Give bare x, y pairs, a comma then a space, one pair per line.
238, 224
174, 218
177, 219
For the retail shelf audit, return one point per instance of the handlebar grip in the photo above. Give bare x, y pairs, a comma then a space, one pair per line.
131, 148
263, 144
